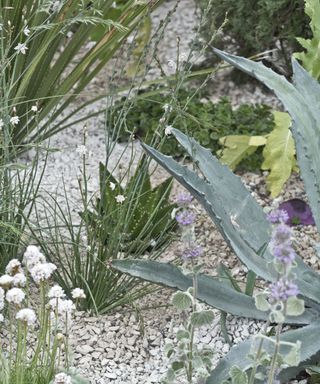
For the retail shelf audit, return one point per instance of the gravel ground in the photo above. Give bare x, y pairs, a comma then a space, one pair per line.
121, 348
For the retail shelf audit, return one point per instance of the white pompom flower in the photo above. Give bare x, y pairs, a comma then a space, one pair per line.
13, 267
15, 296
19, 280
78, 293
33, 257
42, 272
27, 315
56, 292
62, 378
1, 299
6, 281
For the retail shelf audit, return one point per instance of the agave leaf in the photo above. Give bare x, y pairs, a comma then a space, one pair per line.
210, 289
238, 354
305, 118
235, 212
279, 153
238, 147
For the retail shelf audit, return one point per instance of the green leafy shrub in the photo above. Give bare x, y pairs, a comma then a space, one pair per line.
205, 120
310, 58
256, 25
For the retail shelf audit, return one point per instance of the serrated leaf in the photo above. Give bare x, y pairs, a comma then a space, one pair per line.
181, 300
238, 376
236, 148
279, 153
295, 306
198, 319
261, 302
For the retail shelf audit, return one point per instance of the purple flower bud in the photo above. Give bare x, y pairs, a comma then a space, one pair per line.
189, 253
282, 289
284, 253
185, 217
298, 212
184, 199
278, 216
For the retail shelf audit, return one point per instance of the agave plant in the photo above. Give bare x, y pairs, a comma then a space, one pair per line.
45, 61
243, 223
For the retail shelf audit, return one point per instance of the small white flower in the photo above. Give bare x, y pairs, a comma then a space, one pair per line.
167, 107
19, 280
13, 267
168, 130
33, 257
1, 124
120, 199
27, 315
78, 293
1, 318
15, 296
21, 48
14, 120
114, 5
34, 109
42, 272
171, 65
62, 378
153, 243
26, 30
56, 292
6, 281
112, 186
82, 150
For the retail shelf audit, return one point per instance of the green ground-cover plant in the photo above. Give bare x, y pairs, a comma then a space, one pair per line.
257, 33
243, 223
45, 62
203, 119
35, 344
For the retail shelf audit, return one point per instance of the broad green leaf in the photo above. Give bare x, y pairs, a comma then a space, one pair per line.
238, 147
181, 300
210, 289
279, 154
295, 306
310, 58
183, 334
237, 356
238, 376
198, 319
261, 302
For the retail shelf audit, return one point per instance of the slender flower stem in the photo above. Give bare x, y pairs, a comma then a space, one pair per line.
192, 329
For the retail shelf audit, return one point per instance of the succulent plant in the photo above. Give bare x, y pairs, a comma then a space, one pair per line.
243, 223
148, 221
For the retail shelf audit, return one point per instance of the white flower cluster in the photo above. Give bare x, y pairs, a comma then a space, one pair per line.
62, 378
37, 265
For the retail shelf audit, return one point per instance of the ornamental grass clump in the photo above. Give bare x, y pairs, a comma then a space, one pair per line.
186, 358
35, 326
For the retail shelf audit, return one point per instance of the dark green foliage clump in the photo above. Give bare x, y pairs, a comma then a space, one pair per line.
255, 26
142, 222
204, 120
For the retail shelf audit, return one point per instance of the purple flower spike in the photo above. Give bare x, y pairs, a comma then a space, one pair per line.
185, 217
184, 199
282, 289
281, 235
298, 211
192, 252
